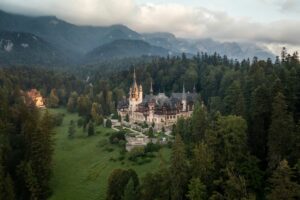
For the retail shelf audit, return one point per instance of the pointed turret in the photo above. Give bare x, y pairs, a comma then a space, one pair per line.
151, 88
134, 78
183, 100
194, 89
183, 92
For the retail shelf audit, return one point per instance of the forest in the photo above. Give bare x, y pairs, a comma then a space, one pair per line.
243, 143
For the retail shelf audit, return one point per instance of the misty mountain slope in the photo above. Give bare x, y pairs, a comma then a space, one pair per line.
25, 48
80, 43
124, 48
77, 39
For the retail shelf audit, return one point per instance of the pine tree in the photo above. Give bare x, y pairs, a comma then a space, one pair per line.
178, 169
130, 191
259, 124
197, 190
235, 187
118, 181
234, 100
71, 129
281, 185
91, 130
96, 113
280, 133
202, 162
199, 123
53, 99
72, 102
108, 123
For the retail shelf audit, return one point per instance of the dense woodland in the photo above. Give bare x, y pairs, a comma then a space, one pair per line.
244, 143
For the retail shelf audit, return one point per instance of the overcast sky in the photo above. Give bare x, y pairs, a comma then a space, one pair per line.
272, 23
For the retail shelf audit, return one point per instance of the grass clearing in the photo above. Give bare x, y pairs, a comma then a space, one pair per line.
81, 165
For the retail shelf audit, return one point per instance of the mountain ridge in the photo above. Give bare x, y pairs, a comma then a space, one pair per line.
77, 42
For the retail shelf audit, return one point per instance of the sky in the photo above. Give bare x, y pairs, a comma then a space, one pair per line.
269, 23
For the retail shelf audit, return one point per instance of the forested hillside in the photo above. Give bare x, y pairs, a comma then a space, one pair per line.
243, 143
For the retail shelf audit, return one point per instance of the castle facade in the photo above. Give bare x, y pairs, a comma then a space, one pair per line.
158, 110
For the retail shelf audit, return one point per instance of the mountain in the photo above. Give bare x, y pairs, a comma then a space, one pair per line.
231, 49
26, 48
69, 37
80, 43
124, 48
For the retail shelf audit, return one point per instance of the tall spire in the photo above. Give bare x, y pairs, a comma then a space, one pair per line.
194, 89
151, 88
183, 92
134, 77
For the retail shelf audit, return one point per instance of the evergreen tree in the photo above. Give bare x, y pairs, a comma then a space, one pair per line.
72, 102
91, 130
178, 169
53, 99
71, 129
235, 186
234, 100
108, 123
199, 123
259, 124
197, 190
202, 163
118, 181
127, 118
280, 133
96, 113
130, 192
281, 185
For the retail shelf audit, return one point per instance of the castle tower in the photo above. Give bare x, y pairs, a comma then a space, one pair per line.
183, 99
151, 88
135, 94
141, 93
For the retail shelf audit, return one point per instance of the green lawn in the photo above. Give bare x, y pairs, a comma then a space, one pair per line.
81, 165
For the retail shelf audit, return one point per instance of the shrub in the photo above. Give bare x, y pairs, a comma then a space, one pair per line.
109, 149
102, 143
108, 123
57, 119
151, 147
136, 153
116, 137
80, 122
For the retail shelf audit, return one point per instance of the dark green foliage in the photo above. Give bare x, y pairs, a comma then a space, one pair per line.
80, 122
116, 137
199, 123
202, 163
280, 140
108, 123
178, 169
197, 190
53, 99
118, 183
71, 129
135, 153
130, 192
58, 119
151, 147
156, 185
91, 130
282, 186
72, 102
127, 118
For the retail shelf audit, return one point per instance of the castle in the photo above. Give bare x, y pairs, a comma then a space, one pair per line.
158, 110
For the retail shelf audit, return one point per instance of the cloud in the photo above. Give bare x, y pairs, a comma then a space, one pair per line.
290, 6
182, 20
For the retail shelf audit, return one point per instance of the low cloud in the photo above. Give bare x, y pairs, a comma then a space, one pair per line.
290, 6
181, 20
